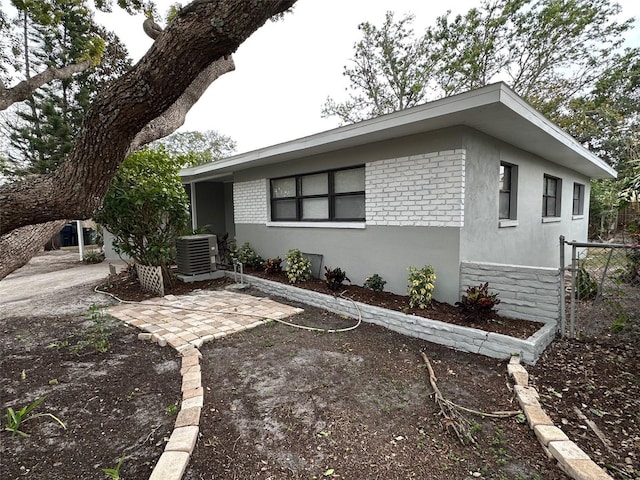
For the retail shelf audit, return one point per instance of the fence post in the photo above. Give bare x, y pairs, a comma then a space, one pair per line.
574, 287
563, 315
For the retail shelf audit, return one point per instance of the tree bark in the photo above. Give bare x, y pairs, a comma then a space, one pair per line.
20, 245
202, 33
174, 117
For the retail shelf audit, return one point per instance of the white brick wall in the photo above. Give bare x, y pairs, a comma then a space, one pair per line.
529, 293
250, 201
420, 190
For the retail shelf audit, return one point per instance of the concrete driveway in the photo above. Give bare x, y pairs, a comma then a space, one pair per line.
53, 281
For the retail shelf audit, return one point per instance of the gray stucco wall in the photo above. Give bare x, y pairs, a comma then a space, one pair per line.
390, 249
387, 251
531, 242
449, 139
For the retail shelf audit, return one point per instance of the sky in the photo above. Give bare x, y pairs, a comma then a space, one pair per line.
286, 70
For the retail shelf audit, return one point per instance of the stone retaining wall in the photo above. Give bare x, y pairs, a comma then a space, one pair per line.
528, 293
458, 337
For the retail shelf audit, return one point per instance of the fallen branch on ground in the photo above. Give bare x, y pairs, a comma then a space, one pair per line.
451, 412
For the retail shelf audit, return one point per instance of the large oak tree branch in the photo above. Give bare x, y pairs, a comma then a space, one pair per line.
20, 245
174, 117
21, 91
201, 33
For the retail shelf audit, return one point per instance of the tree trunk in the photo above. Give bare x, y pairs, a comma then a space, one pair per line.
202, 33
20, 245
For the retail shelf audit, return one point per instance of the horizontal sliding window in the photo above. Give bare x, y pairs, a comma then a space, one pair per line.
335, 195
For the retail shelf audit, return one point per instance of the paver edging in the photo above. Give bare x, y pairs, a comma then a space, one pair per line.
177, 453
571, 459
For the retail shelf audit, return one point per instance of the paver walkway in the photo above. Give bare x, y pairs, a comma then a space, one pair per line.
185, 323
191, 320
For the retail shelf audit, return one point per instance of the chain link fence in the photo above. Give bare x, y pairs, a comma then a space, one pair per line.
602, 288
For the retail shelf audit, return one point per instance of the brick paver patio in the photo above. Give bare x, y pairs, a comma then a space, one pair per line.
190, 320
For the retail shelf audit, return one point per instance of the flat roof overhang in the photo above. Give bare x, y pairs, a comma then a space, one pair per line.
495, 110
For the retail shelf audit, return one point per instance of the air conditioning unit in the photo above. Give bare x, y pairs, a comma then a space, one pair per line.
196, 254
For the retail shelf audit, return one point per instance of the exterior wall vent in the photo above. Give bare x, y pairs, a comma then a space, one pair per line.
196, 254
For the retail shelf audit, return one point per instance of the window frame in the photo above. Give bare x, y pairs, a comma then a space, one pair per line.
512, 193
557, 196
331, 197
580, 199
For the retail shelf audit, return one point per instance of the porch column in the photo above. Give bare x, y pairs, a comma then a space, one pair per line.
194, 215
80, 239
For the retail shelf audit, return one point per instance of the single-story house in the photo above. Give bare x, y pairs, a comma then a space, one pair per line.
480, 185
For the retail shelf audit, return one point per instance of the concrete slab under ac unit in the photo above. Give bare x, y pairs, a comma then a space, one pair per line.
201, 276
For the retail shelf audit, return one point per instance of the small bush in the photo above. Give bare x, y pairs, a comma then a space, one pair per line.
334, 277
93, 256
273, 266
586, 286
374, 282
478, 302
631, 272
248, 257
422, 282
298, 267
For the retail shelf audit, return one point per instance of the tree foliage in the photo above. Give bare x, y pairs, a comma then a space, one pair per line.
43, 128
146, 208
548, 51
390, 71
193, 148
565, 57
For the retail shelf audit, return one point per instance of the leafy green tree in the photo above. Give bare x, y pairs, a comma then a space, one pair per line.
146, 208
46, 124
194, 148
391, 70
548, 51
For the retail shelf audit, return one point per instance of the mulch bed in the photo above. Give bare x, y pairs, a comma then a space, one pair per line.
126, 286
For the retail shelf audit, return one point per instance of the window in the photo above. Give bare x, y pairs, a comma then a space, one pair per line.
578, 199
551, 194
508, 188
336, 195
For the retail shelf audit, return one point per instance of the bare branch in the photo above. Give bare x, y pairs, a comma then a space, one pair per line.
151, 28
21, 91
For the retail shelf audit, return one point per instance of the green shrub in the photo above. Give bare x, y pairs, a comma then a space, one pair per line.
146, 209
93, 256
298, 267
334, 277
422, 282
273, 266
248, 256
478, 302
374, 282
586, 286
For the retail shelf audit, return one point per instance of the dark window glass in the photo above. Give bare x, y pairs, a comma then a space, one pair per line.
335, 195
551, 196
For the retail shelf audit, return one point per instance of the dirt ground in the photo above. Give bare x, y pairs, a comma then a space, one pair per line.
286, 403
